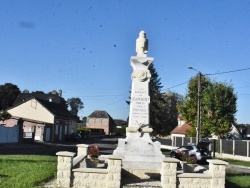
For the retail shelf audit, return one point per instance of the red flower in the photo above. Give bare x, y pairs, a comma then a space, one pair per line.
93, 151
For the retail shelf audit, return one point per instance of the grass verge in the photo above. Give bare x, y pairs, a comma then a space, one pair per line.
26, 171
237, 180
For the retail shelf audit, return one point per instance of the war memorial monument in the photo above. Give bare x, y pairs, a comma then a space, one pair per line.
137, 158
138, 150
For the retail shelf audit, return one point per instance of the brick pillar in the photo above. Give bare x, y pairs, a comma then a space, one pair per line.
217, 169
64, 167
82, 149
114, 171
169, 173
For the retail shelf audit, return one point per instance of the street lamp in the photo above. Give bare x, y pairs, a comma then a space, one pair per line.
198, 128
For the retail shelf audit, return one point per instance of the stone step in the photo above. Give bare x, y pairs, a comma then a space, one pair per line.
134, 183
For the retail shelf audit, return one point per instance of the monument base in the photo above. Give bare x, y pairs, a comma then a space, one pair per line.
140, 153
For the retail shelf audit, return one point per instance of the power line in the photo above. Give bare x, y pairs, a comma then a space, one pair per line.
229, 71
226, 72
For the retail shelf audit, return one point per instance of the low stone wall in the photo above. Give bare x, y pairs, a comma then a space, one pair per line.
94, 177
67, 176
70, 175
213, 178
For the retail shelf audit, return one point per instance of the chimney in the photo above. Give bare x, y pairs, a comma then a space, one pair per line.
25, 91
60, 93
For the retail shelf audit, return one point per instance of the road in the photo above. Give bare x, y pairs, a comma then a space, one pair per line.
107, 145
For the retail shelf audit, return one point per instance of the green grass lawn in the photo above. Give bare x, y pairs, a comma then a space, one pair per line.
237, 179
26, 171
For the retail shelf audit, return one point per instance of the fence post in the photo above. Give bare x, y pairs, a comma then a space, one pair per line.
247, 148
233, 147
220, 146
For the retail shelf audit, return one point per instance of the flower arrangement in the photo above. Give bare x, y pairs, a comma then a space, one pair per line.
93, 151
183, 155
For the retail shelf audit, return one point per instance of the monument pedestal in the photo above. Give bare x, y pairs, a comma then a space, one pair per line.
142, 157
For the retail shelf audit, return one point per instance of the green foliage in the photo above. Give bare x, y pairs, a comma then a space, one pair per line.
170, 114
26, 170
75, 105
4, 115
218, 107
120, 131
83, 129
8, 94
157, 101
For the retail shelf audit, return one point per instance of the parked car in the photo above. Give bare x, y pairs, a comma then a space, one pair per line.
74, 137
199, 152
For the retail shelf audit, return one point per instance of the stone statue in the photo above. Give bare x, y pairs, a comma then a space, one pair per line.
142, 44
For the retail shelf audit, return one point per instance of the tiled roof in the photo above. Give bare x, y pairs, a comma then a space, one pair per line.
181, 129
57, 109
26, 96
99, 114
56, 106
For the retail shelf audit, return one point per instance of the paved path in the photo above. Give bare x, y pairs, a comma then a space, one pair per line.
236, 168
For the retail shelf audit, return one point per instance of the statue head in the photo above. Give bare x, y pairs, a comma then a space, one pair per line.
142, 44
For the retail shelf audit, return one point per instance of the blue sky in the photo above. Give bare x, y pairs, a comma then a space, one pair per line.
84, 47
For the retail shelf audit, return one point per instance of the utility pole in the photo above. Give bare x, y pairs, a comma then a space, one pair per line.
198, 109
198, 126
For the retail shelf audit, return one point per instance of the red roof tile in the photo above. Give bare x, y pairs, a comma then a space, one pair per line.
181, 129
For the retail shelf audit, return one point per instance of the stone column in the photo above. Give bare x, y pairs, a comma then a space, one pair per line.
82, 149
169, 173
64, 167
217, 169
114, 172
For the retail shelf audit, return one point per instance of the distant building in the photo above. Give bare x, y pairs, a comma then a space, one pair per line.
99, 121
120, 123
181, 129
42, 117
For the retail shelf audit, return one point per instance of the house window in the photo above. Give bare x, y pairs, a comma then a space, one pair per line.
27, 135
57, 127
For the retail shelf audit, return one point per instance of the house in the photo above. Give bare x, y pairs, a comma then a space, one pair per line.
42, 117
100, 122
181, 129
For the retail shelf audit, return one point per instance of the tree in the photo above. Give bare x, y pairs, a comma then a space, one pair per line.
8, 94
169, 119
188, 108
157, 102
218, 107
75, 105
